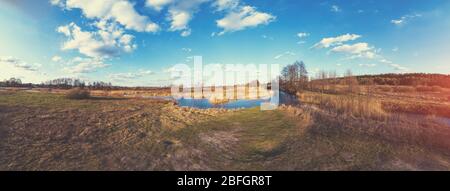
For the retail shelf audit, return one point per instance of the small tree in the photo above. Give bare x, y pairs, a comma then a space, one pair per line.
294, 77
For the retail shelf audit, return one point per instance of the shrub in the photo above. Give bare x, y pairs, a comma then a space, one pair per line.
436, 89
428, 88
385, 88
78, 93
404, 89
423, 88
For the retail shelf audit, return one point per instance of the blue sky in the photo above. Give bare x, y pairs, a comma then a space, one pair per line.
136, 42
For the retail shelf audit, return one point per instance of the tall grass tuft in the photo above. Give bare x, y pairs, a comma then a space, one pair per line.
349, 105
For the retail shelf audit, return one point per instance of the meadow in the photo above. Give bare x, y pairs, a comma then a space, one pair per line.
379, 130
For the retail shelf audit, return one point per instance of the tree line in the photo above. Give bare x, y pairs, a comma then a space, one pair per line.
295, 78
60, 83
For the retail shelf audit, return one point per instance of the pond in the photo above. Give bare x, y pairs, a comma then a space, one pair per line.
235, 104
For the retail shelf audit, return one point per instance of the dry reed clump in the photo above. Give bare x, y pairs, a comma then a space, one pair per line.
350, 105
384, 88
78, 93
404, 89
423, 88
436, 88
429, 88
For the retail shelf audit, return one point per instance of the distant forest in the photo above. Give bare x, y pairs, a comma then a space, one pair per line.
413, 79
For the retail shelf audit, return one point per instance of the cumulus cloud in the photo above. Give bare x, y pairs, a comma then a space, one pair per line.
404, 19
352, 49
222, 5
358, 50
109, 41
158, 4
333, 41
80, 65
56, 58
181, 13
59, 3
120, 11
19, 64
242, 18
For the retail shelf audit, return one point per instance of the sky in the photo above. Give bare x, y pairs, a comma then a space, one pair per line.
136, 42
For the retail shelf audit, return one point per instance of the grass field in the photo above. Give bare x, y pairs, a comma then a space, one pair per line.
43, 131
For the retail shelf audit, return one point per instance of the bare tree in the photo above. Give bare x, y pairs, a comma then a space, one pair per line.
351, 81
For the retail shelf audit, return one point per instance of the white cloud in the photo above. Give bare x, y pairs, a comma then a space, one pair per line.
56, 58
302, 34
287, 53
242, 18
335, 8
358, 50
181, 13
398, 67
222, 5
59, 3
17, 68
186, 33
80, 65
123, 77
385, 61
120, 11
186, 49
352, 49
158, 4
393, 65
333, 41
19, 64
395, 49
404, 19
109, 41
367, 65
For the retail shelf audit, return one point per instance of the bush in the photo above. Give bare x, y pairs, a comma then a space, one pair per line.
78, 93
404, 89
385, 88
424, 88
436, 89
428, 88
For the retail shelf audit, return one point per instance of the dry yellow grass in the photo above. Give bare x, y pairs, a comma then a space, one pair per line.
351, 105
